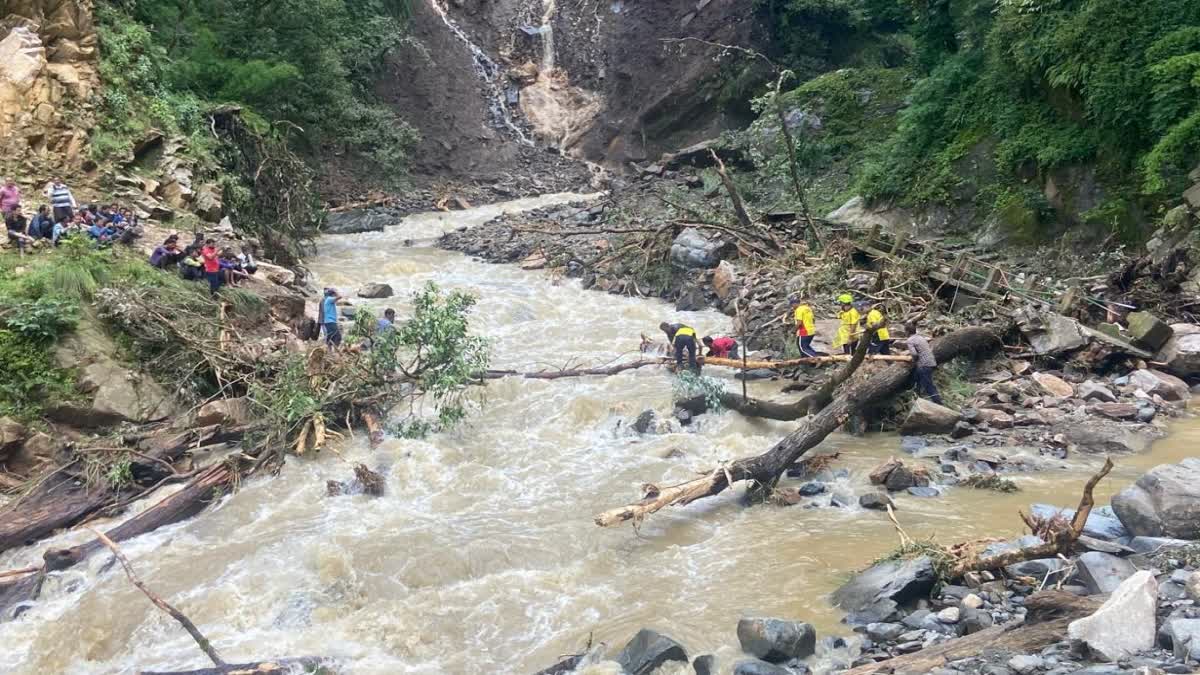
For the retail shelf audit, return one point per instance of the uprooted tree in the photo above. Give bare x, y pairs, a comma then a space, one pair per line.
850, 391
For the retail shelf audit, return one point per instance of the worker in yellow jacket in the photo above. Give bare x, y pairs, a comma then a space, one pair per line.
881, 340
682, 338
848, 318
806, 326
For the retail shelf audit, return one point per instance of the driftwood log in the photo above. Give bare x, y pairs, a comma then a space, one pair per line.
767, 467
1045, 624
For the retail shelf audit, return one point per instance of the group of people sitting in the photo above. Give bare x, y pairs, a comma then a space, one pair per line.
202, 260
62, 218
856, 321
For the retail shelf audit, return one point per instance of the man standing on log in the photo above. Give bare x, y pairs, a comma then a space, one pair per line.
681, 337
806, 326
924, 364
881, 340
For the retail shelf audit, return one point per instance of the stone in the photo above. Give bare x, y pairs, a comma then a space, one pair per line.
375, 291
276, 274
811, 489
647, 651
1038, 569
358, 220
974, 620
901, 478
876, 501
879, 474
645, 421
692, 249
1192, 587
857, 213
1185, 638
725, 279
1148, 331
885, 632
1093, 391
756, 667
1116, 411
1103, 572
704, 665
1001, 420
961, 430
1158, 383
226, 412
776, 640
12, 435
927, 417
1155, 544
208, 204
948, 615
877, 594
1049, 333
971, 601
1026, 663
1163, 502
1181, 353
1088, 439
1125, 624
923, 491
1054, 386
1102, 522
534, 261
913, 444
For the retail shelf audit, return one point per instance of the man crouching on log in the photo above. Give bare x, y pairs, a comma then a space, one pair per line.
682, 337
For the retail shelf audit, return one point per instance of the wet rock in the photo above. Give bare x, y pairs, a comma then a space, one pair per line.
1102, 522
885, 632
1093, 391
949, 615
1158, 383
705, 665
693, 249
1185, 638
1001, 420
1103, 572
876, 501
811, 489
1026, 663
1116, 411
725, 279
1049, 333
1054, 386
913, 444
12, 435
1155, 544
230, 412
961, 430
877, 594
1181, 353
1108, 441
776, 640
1146, 414
927, 417
1038, 569
355, 221
648, 650
1164, 502
1124, 624
756, 667
645, 421
691, 300
971, 601
923, 492
1148, 331
903, 478
974, 620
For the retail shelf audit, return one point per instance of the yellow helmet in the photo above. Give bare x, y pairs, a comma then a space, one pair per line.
845, 299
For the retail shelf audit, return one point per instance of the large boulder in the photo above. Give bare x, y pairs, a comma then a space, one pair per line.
877, 594
927, 417
359, 220
1155, 382
12, 435
226, 412
1164, 502
1148, 330
1181, 353
1102, 522
1054, 386
857, 213
1185, 638
375, 291
1103, 572
1125, 624
692, 249
725, 279
647, 651
776, 640
1050, 333
1108, 441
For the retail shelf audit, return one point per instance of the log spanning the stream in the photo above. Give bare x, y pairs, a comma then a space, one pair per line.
766, 468
749, 364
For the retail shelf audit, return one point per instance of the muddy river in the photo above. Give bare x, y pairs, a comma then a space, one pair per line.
482, 557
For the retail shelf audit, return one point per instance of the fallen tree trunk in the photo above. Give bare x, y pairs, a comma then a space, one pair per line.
275, 667
767, 467
1049, 614
575, 372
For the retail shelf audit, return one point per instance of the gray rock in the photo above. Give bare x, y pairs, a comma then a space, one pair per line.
705, 665
1148, 330
961, 430
1103, 572
1164, 502
1092, 391
756, 667
645, 421
877, 594
927, 417
1039, 568
876, 501
949, 615
1049, 333
375, 290
776, 640
1025, 663
1155, 382
1102, 522
885, 632
913, 444
648, 650
923, 492
1185, 638
692, 250
1124, 624
1155, 544
973, 620
1146, 414
1181, 354
353, 222
811, 489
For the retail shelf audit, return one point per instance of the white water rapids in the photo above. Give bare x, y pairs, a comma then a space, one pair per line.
482, 557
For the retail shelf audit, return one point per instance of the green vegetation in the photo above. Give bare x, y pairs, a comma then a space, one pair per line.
1000, 99
689, 385
990, 482
943, 561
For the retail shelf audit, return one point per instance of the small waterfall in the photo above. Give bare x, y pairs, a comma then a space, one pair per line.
548, 35
490, 73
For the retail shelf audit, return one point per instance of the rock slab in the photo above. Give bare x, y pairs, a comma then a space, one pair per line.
1164, 502
776, 640
1104, 572
1125, 624
877, 594
927, 417
648, 650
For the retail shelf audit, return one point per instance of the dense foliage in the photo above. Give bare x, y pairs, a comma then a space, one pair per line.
1008, 95
307, 62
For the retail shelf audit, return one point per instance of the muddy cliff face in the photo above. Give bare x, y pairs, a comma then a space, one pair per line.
48, 56
608, 82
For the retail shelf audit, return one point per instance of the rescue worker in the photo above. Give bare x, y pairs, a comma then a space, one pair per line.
806, 327
721, 347
681, 337
847, 335
924, 363
881, 340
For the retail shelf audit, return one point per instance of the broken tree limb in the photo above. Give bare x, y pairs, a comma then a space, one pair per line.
575, 372
662, 361
201, 641
370, 417
311, 664
739, 207
766, 468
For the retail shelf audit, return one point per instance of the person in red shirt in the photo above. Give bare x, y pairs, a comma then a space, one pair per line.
212, 265
721, 347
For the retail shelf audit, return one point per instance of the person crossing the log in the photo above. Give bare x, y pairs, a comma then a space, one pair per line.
682, 338
721, 347
848, 318
806, 326
881, 340
924, 363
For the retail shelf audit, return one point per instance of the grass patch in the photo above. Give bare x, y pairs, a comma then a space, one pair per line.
991, 482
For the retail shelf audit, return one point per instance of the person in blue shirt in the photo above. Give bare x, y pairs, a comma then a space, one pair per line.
42, 225
329, 313
388, 323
